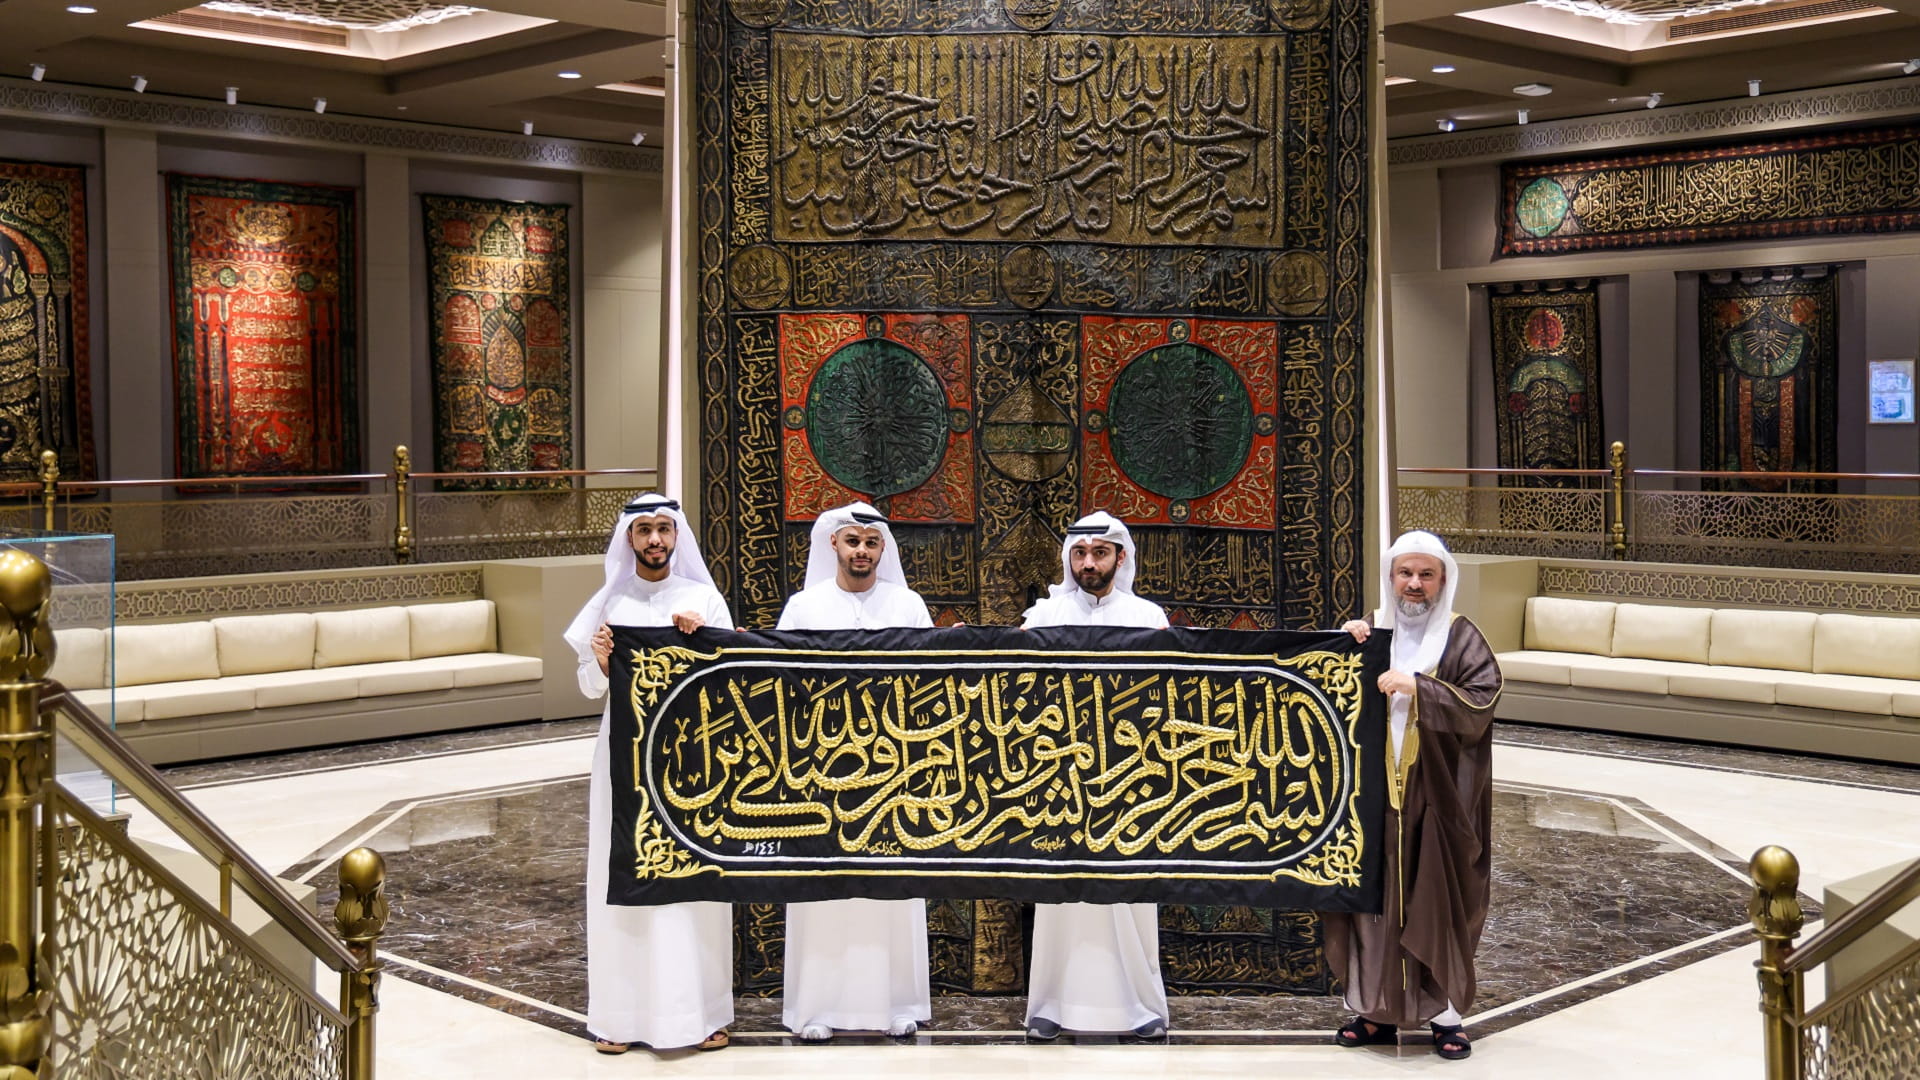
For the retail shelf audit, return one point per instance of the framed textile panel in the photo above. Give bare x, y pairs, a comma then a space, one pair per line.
46, 400
264, 327
1824, 183
501, 337
1546, 380
1768, 365
922, 281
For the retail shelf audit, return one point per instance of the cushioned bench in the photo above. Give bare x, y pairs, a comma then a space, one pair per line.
250, 683
1834, 683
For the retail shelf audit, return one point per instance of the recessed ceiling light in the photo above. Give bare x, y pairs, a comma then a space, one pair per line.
569, 74
81, 9
1443, 69
1533, 89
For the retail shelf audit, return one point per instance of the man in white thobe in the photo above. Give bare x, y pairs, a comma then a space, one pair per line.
661, 976
855, 965
1096, 967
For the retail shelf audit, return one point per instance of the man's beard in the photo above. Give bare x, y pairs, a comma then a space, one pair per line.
1412, 609
654, 558
1093, 581
858, 572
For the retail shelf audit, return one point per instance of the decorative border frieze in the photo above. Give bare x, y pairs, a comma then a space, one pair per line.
1640, 127
303, 591
118, 108
1745, 587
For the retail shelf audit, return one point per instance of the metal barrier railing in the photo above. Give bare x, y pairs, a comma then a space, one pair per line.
1869, 1027
1801, 520
248, 524
110, 964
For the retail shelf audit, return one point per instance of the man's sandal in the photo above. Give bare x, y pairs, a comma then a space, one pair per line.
609, 1048
716, 1041
1451, 1042
1354, 1033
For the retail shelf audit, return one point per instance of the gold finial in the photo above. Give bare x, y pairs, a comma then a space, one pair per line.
26, 641
402, 459
1775, 905
1617, 455
361, 913
49, 465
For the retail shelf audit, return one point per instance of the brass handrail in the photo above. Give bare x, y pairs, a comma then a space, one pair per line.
222, 481
1704, 474
94, 823
104, 748
1445, 471
1876, 908
534, 473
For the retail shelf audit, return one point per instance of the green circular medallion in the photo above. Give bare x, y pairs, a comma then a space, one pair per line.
1542, 206
1181, 421
877, 418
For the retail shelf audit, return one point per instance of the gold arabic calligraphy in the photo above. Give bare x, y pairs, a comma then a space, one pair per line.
1014, 760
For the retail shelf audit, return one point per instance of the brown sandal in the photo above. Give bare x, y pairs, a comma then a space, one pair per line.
716, 1041
610, 1048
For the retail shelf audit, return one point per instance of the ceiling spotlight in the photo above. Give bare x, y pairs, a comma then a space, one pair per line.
319, 104
1520, 116
39, 72
569, 74
1443, 69
526, 127
233, 95
1653, 100
81, 9
139, 84
1910, 67
1533, 89
639, 137
1445, 123
1753, 87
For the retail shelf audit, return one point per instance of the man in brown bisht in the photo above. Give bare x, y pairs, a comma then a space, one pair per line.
1413, 963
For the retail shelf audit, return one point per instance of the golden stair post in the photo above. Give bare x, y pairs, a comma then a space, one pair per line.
402, 532
360, 915
26, 767
1775, 910
1617, 531
49, 485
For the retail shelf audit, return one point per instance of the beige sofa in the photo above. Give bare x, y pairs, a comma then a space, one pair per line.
254, 683
1830, 683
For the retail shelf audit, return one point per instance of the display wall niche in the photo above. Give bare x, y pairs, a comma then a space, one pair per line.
991, 265
1546, 378
265, 329
501, 339
1768, 366
46, 400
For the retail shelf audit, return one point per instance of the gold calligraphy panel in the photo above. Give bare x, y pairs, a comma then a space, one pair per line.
1817, 184
1060, 765
1016, 137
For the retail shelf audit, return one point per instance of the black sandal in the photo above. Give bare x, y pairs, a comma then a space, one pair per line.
1451, 1042
1354, 1033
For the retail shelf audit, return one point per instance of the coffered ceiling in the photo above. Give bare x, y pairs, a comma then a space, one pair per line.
594, 69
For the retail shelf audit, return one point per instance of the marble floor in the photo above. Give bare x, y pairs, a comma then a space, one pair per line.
1617, 944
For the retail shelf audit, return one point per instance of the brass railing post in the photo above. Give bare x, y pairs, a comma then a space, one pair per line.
49, 485
360, 915
402, 531
1775, 910
26, 765
1617, 531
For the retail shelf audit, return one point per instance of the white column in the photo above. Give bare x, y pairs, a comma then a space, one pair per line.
139, 334
387, 389
620, 378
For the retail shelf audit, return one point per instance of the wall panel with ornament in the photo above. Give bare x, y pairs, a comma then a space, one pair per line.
989, 312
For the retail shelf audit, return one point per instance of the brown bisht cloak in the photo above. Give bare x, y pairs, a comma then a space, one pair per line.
1406, 964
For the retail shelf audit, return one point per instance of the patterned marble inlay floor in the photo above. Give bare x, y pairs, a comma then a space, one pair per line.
1591, 893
